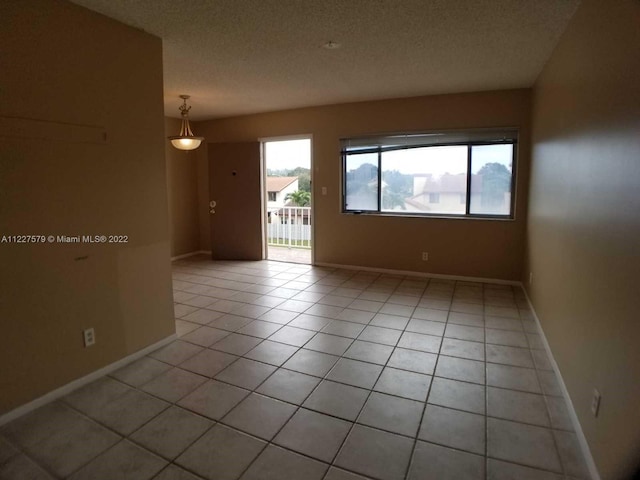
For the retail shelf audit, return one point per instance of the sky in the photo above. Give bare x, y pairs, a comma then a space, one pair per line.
437, 160
288, 154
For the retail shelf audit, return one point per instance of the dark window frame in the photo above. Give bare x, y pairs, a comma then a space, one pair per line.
467, 215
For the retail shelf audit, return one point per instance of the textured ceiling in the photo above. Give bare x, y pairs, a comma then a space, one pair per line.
238, 57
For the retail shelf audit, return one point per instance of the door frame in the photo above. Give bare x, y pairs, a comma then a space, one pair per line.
263, 182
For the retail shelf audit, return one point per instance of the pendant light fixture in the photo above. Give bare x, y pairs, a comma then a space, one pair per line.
186, 140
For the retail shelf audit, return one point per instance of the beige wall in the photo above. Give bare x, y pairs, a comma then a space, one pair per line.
584, 227
491, 249
65, 65
183, 196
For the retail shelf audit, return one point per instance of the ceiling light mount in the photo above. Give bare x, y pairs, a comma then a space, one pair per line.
186, 140
331, 45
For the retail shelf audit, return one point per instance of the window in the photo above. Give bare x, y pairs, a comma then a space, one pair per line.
466, 174
272, 196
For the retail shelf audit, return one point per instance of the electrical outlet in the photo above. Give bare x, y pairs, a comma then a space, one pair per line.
425, 256
595, 402
530, 278
89, 337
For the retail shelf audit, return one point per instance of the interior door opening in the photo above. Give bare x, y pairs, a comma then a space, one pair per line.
288, 197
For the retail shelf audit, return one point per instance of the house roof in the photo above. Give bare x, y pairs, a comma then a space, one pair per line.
449, 183
446, 183
237, 57
277, 184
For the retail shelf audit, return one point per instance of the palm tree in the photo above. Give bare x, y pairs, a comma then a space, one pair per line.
299, 198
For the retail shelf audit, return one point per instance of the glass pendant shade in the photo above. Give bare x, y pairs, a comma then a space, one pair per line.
186, 140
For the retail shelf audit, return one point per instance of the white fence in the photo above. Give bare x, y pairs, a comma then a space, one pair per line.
289, 226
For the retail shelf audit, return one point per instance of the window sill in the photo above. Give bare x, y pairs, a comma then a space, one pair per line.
433, 216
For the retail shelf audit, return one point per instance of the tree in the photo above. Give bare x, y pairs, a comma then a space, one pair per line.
299, 198
303, 174
396, 187
362, 187
361, 178
304, 178
391, 199
397, 182
496, 181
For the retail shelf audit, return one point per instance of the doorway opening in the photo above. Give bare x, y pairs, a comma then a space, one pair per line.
288, 199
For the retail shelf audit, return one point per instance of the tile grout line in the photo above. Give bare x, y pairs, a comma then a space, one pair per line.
486, 394
499, 387
426, 400
353, 340
485, 381
298, 407
220, 421
354, 423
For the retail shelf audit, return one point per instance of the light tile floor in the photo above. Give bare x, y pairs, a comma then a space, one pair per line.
286, 254
287, 371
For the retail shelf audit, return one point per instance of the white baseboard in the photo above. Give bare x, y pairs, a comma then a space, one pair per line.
421, 274
191, 254
80, 382
582, 440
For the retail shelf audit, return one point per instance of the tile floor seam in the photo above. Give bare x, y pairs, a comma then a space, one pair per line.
17, 448
543, 469
298, 407
486, 398
553, 437
184, 467
347, 279
189, 445
371, 391
262, 450
424, 411
355, 422
128, 436
154, 378
169, 465
20, 450
92, 459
